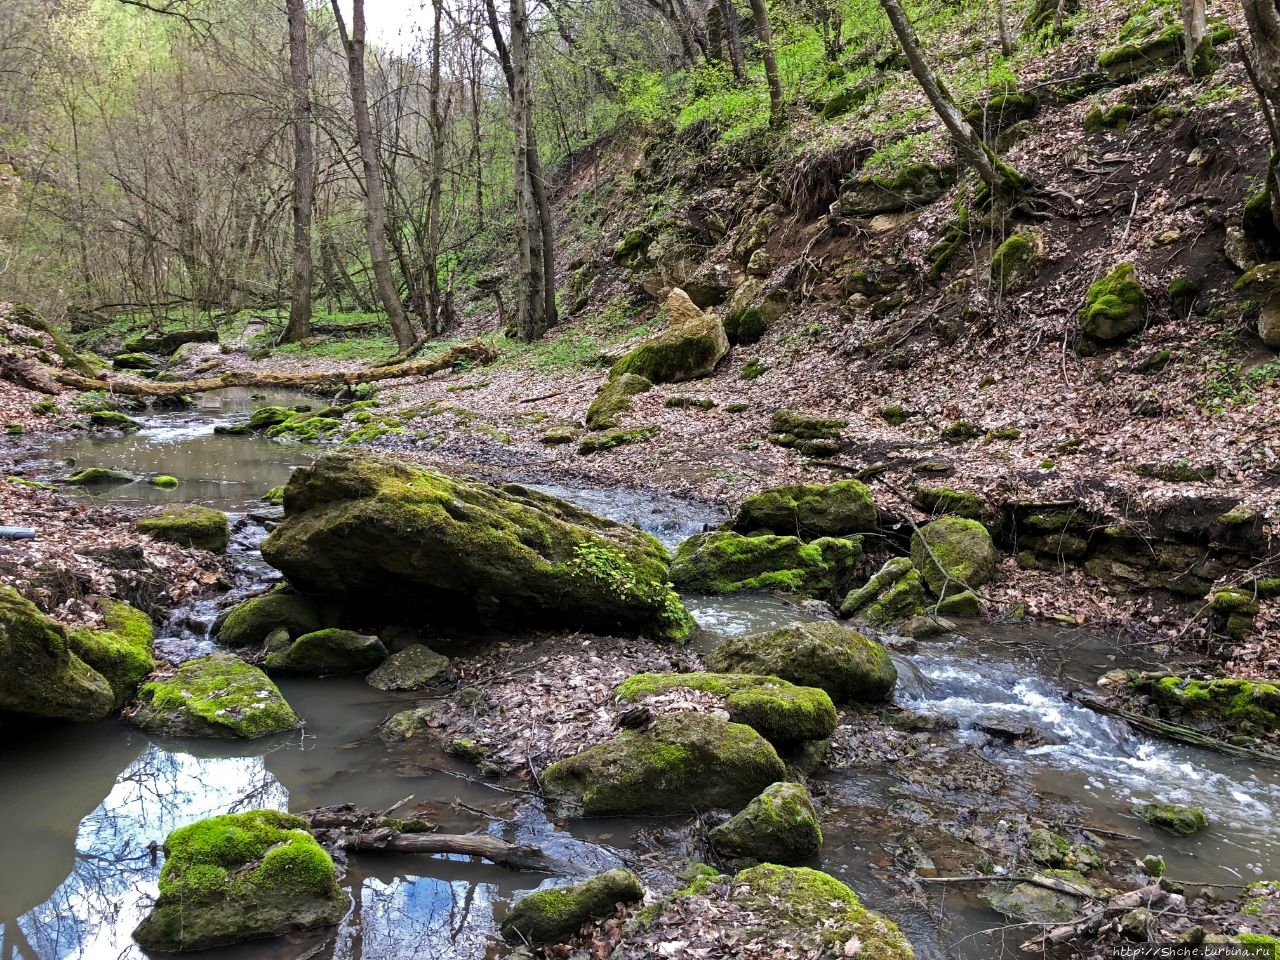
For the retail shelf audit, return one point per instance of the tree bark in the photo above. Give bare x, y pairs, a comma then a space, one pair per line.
732, 37
1197, 46
438, 320
764, 33
1264, 31
304, 182
375, 192
1006, 35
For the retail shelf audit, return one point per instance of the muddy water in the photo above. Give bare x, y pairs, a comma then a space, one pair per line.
81, 804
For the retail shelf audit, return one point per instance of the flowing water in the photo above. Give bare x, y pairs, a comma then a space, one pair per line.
81, 804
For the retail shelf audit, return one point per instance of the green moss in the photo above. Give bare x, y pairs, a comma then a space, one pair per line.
250, 622
960, 431
1115, 305
1235, 601
30, 484
684, 402
1240, 705
617, 437
745, 326
215, 696
555, 915
781, 712
612, 400
809, 510
164, 482
1174, 817
938, 501
895, 415
814, 436
274, 496
953, 554
1014, 261
305, 428
754, 369
122, 652
726, 562
45, 408
190, 525
99, 477
779, 826
687, 352
328, 652
110, 420
1116, 117
1002, 111
955, 235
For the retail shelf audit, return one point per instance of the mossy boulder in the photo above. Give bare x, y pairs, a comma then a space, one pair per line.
384, 534
164, 482
916, 185
274, 496
405, 725
1015, 261
190, 525
122, 652
329, 651
781, 712
555, 915
251, 622
243, 876
266, 417
43, 676
99, 477
1174, 817
216, 696
1228, 704
966, 603
111, 420
688, 350
809, 510
727, 562
615, 437
779, 826
812, 436
1115, 306
141, 362
892, 595
612, 400
1001, 111
164, 344
848, 665
953, 554
679, 764
1263, 284
414, 667
940, 501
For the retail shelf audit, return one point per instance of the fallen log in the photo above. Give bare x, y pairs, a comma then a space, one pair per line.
473, 351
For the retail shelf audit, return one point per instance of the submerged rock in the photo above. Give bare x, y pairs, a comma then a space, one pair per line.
809, 510
328, 652
190, 525
953, 553
835, 658
405, 725
779, 826
216, 696
726, 562
100, 477
381, 533
243, 876
412, 668
690, 349
42, 675
1031, 903
556, 915
1174, 817
252, 621
678, 764
781, 712
122, 652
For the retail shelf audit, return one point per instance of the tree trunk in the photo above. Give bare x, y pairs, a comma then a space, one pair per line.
764, 33
376, 205
1198, 47
1006, 35
732, 37
304, 178
438, 319
1003, 181
1264, 30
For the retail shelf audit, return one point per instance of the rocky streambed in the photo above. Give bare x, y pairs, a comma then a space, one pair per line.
975, 761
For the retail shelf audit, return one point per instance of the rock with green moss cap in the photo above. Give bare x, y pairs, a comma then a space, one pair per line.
405, 725
164, 482
1228, 705
690, 349
377, 532
190, 525
891, 595
781, 712
808, 510
1115, 306
813, 436
414, 667
111, 420
216, 696
615, 437
915, 185
555, 915
43, 676
1016, 260
122, 653
727, 562
779, 826
243, 876
851, 667
1174, 817
613, 399
99, 477
944, 501
966, 603
1263, 284
953, 554
141, 362
274, 496
251, 622
678, 764
328, 652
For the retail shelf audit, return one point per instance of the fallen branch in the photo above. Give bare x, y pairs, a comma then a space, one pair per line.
1142, 897
473, 351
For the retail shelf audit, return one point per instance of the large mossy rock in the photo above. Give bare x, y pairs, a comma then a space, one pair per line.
1175, 817
916, 185
166, 343
1115, 306
760, 908
122, 653
1224, 705
190, 525
848, 665
42, 675
414, 667
251, 622
779, 826
807, 510
216, 696
726, 562
893, 594
555, 915
679, 764
953, 553
243, 876
328, 652
781, 712
385, 534
613, 399
688, 350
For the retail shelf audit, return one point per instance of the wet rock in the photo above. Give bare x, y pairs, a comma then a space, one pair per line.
779, 826
405, 725
726, 562
217, 696
688, 350
922, 627
385, 534
190, 525
111, 420
1224, 704
678, 764
414, 667
1174, 817
328, 652
1031, 903
42, 675
892, 594
1047, 847
1153, 865
781, 712
254, 620
99, 477
809, 511
952, 554
240, 877
962, 604
849, 666
555, 915
122, 653
612, 400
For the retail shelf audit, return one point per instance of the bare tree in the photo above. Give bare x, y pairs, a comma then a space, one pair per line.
304, 183
764, 33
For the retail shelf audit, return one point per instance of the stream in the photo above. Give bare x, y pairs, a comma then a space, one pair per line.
81, 803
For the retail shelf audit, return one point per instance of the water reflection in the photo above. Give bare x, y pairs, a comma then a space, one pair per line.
418, 918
